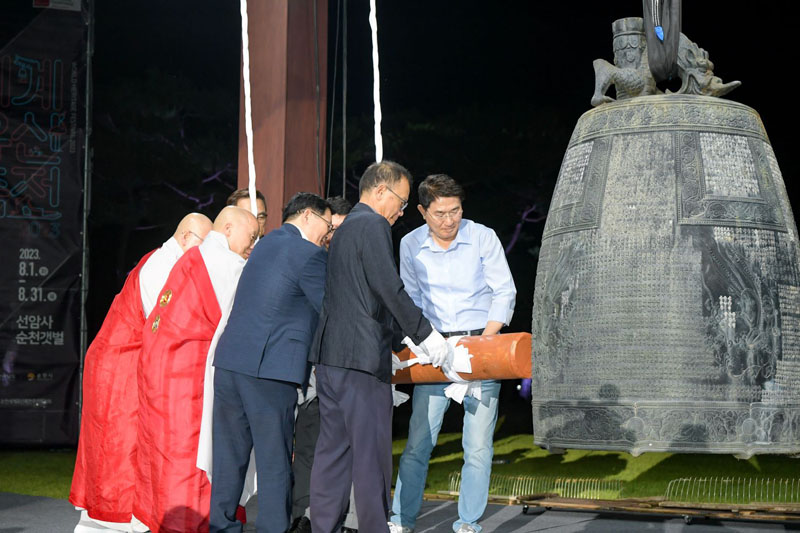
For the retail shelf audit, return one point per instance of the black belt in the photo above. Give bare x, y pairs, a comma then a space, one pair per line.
469, 333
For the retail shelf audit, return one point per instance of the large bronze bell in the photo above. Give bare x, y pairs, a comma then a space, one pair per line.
666, 313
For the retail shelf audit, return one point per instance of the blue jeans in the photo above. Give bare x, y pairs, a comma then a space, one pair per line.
428, 408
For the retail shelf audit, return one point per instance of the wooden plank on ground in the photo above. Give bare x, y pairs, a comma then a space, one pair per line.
738, 507
650, 506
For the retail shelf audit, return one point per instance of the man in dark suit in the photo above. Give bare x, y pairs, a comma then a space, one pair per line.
306, 427
260, 360
352, 351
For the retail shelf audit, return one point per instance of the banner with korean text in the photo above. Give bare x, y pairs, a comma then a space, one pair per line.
42, 127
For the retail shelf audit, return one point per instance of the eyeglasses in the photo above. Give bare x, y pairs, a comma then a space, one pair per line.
404, 200
441, 217
195, 234
330, 226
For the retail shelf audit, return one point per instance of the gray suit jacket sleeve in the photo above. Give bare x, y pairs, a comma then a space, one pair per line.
385, 282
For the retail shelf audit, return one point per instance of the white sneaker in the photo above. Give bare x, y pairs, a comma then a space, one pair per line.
466, 528
394, 528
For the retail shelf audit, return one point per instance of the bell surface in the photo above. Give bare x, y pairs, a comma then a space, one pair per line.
666, 312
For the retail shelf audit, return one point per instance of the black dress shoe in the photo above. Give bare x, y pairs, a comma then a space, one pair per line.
301, 525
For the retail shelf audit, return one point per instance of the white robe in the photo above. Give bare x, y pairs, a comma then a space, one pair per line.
224, 269
155, 271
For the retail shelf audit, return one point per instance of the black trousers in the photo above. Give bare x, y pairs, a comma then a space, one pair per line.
306, 431
354, 446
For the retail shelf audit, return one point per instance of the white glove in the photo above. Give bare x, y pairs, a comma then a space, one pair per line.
436, 347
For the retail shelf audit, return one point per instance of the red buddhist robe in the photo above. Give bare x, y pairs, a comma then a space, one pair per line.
172, 494
103, 481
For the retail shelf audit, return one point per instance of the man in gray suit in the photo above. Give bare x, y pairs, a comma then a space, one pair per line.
352, 350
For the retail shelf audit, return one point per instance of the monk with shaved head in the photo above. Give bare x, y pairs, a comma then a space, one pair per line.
236, 224
103, 482
172, 494
192, 230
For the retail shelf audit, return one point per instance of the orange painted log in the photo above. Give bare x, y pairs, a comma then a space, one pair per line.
504, 356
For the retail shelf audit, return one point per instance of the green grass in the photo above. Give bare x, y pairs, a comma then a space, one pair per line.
49, 473
643, 476
38, 473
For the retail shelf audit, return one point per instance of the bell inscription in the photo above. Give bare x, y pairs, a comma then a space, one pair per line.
666, 311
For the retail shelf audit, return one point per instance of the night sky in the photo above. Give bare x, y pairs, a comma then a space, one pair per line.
486, 91
439, 56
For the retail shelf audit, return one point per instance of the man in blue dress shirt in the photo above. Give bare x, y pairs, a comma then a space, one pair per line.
456, 271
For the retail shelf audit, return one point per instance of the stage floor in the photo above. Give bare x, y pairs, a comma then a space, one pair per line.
34, 514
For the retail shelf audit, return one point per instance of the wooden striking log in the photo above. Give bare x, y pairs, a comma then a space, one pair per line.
504, 356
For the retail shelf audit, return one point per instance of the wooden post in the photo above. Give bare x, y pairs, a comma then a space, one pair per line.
288, 77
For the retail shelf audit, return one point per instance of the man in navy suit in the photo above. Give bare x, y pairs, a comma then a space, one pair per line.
353, 355
260, 360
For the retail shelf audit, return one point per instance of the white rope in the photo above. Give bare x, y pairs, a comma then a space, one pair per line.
376, 83
248, 116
